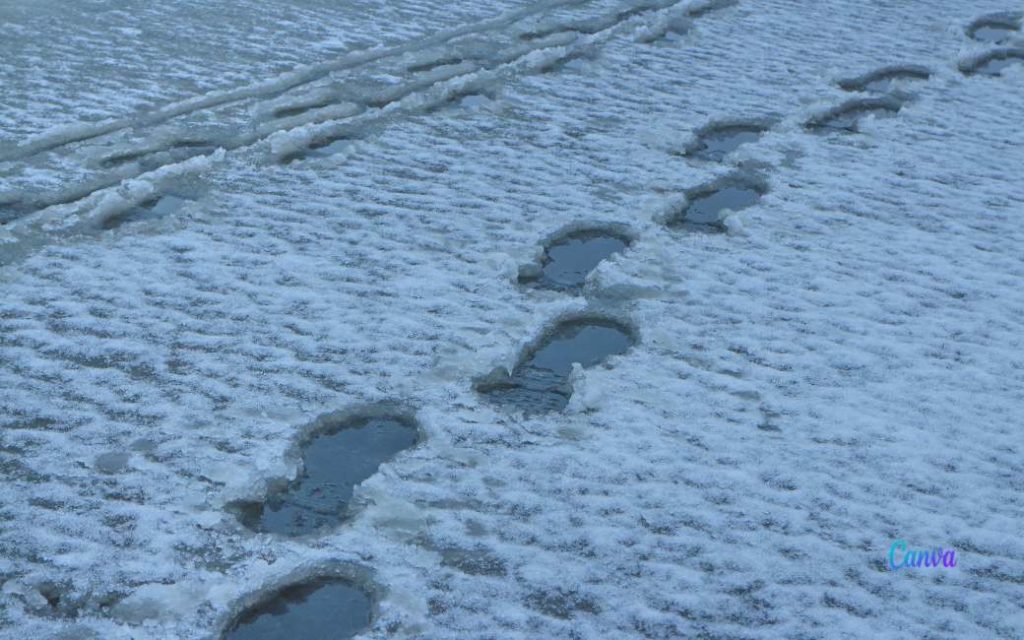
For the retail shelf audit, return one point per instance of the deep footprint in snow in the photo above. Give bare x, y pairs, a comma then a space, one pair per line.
993, 63
337, 458
885, 79
323, 609
847, 116
715, 142
707, 206
540, 382
994, 29
570, 258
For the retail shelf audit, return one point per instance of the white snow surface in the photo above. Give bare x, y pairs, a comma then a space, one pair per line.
842, 369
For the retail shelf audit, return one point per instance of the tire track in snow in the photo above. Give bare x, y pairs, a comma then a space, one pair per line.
369, 106
271, 88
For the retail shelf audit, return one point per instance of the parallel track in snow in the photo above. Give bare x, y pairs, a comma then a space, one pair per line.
296, 101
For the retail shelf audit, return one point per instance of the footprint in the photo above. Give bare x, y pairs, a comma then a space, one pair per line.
847, 116
707, 205
320, 608
335, 459
994, 29
540, 382
569, 259
716, 141
886, 79
993, 63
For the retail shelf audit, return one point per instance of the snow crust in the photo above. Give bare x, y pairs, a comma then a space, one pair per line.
842, 369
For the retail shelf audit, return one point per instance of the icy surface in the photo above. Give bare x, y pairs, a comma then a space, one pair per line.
842, 369
311, 611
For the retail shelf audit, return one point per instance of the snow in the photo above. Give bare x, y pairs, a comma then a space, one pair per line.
843, 369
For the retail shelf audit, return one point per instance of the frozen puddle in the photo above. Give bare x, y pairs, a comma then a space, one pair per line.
994, 29
994, 62
715, 142
540, 382
568, 260
324, 609
885, 80
335, 459
847, 116
708, 206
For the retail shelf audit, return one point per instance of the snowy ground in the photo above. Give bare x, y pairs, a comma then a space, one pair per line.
842, 369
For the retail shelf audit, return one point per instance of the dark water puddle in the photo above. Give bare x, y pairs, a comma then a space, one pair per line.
153, 209
847, 116
994, 29
707, 206
334, 461
540, 382
714, 143
994, 62
324, 609
568, 260
884, 80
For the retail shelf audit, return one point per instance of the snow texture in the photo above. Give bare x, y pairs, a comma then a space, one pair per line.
356, 187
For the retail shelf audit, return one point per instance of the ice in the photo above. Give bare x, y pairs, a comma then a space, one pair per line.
843, 373
320, 610
333, 462
570, 258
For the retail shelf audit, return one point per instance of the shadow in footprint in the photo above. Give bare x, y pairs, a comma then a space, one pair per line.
339, 455
847, 116
320, 609
993, 63
540, 382
994, 29
707, 206
715, 142
569, 259
886, 79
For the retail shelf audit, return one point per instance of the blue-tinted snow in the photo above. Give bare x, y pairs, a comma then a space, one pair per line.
842, 369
